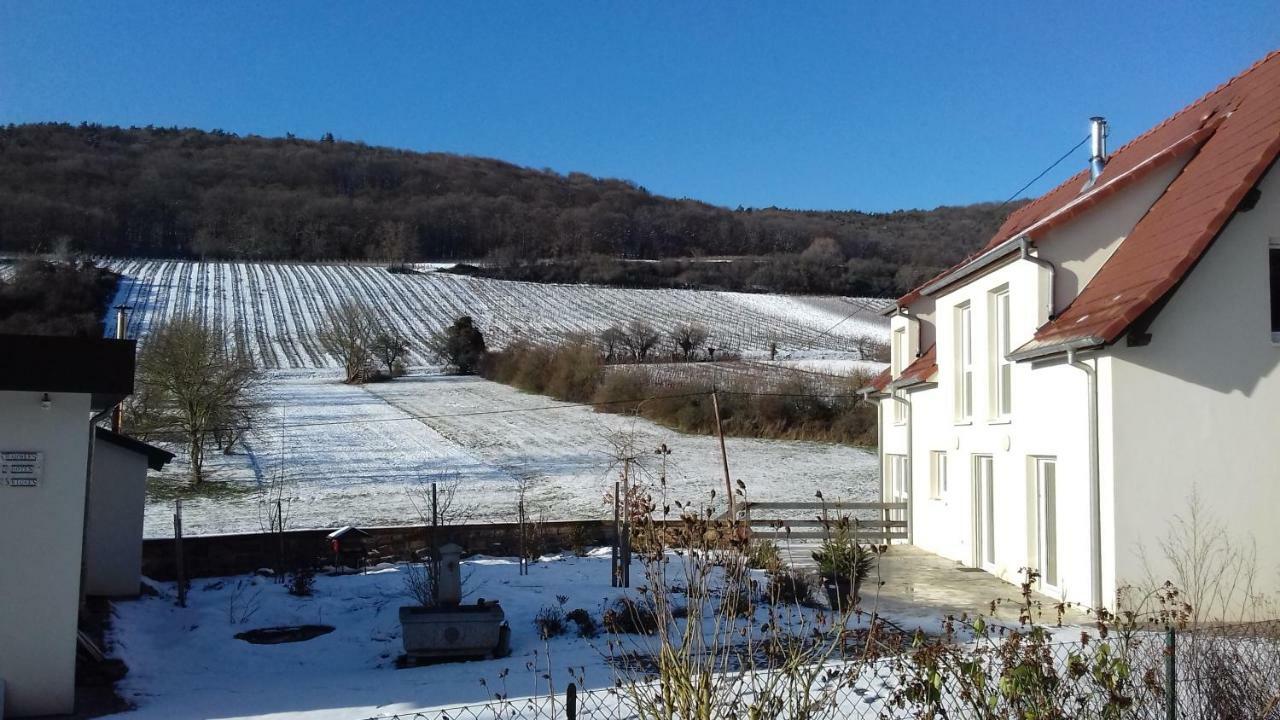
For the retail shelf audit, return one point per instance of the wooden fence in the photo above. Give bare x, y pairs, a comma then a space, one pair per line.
822, 518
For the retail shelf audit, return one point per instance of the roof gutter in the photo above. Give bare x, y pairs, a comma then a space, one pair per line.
973, 267
1039, 352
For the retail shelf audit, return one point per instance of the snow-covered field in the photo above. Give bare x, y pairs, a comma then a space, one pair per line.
356, 455
274, 309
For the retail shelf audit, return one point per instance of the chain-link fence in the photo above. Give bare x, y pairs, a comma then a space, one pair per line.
1223, 672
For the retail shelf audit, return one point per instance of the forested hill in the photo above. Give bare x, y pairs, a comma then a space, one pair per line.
168, 192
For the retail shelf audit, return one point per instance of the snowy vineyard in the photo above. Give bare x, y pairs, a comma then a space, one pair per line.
275, 309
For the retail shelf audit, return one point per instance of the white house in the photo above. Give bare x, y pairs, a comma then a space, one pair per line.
117, 500
51, 390
1053, 401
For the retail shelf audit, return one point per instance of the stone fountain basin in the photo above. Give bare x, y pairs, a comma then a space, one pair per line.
453, 631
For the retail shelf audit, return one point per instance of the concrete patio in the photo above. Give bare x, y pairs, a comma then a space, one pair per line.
917, 582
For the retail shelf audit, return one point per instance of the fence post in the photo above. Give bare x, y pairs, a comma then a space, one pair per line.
179, 566
571, 702
1171, 674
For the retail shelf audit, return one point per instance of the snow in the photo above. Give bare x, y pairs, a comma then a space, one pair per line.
186, 662
274, 309
356, 455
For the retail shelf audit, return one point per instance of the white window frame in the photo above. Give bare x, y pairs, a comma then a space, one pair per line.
1000, 397
897, 482
985, 535
899, 408
963, 329
899, 351
1048, 534
937, 474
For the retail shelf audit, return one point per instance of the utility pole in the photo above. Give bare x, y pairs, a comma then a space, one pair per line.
724, 456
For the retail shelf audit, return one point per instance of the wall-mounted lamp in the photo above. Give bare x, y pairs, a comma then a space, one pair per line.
45, 402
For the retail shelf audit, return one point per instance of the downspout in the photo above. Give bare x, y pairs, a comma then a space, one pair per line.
1024, 251
866, 397
1095, 491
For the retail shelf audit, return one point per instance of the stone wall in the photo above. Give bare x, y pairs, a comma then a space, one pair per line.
217, 555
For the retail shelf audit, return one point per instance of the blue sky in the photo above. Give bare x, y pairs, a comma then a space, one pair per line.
870, 106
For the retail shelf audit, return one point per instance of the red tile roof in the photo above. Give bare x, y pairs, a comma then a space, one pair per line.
880, 381
920, 371
1234, 133
1166, 243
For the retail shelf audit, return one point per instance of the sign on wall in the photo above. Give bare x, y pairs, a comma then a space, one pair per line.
20, 468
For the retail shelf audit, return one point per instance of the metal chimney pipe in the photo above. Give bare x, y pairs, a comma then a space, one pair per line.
122, 324
122, 321
1098, 146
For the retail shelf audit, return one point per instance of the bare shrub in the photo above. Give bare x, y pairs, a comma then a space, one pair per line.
551, 621
790, 586
630, 616
244, 601
302, 581
1216, 573
713, 651
587, 626
420, 583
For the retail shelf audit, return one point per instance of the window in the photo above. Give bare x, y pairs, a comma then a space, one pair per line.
984, 511
899, 408
937, 474
1047, 520
1274, 262
1001, 368
899, 351
897, 484
964, 362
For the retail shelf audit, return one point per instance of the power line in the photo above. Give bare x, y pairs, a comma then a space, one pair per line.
1044, 172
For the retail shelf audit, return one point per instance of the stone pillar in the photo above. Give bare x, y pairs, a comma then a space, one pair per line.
449, 584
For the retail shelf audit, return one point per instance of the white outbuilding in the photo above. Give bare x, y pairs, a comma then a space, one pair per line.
52, 389
117, 500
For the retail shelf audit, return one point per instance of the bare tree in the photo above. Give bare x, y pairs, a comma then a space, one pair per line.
195, 381
348, 333
689, 337
390, 348
640, 338
613, 340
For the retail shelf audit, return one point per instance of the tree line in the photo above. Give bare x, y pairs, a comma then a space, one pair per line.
186, 193
65, 297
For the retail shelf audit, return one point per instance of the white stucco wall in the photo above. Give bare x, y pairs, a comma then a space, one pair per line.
1200, 406
113, 530
40, 555
1049, 418
1049, 415
1079, 248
